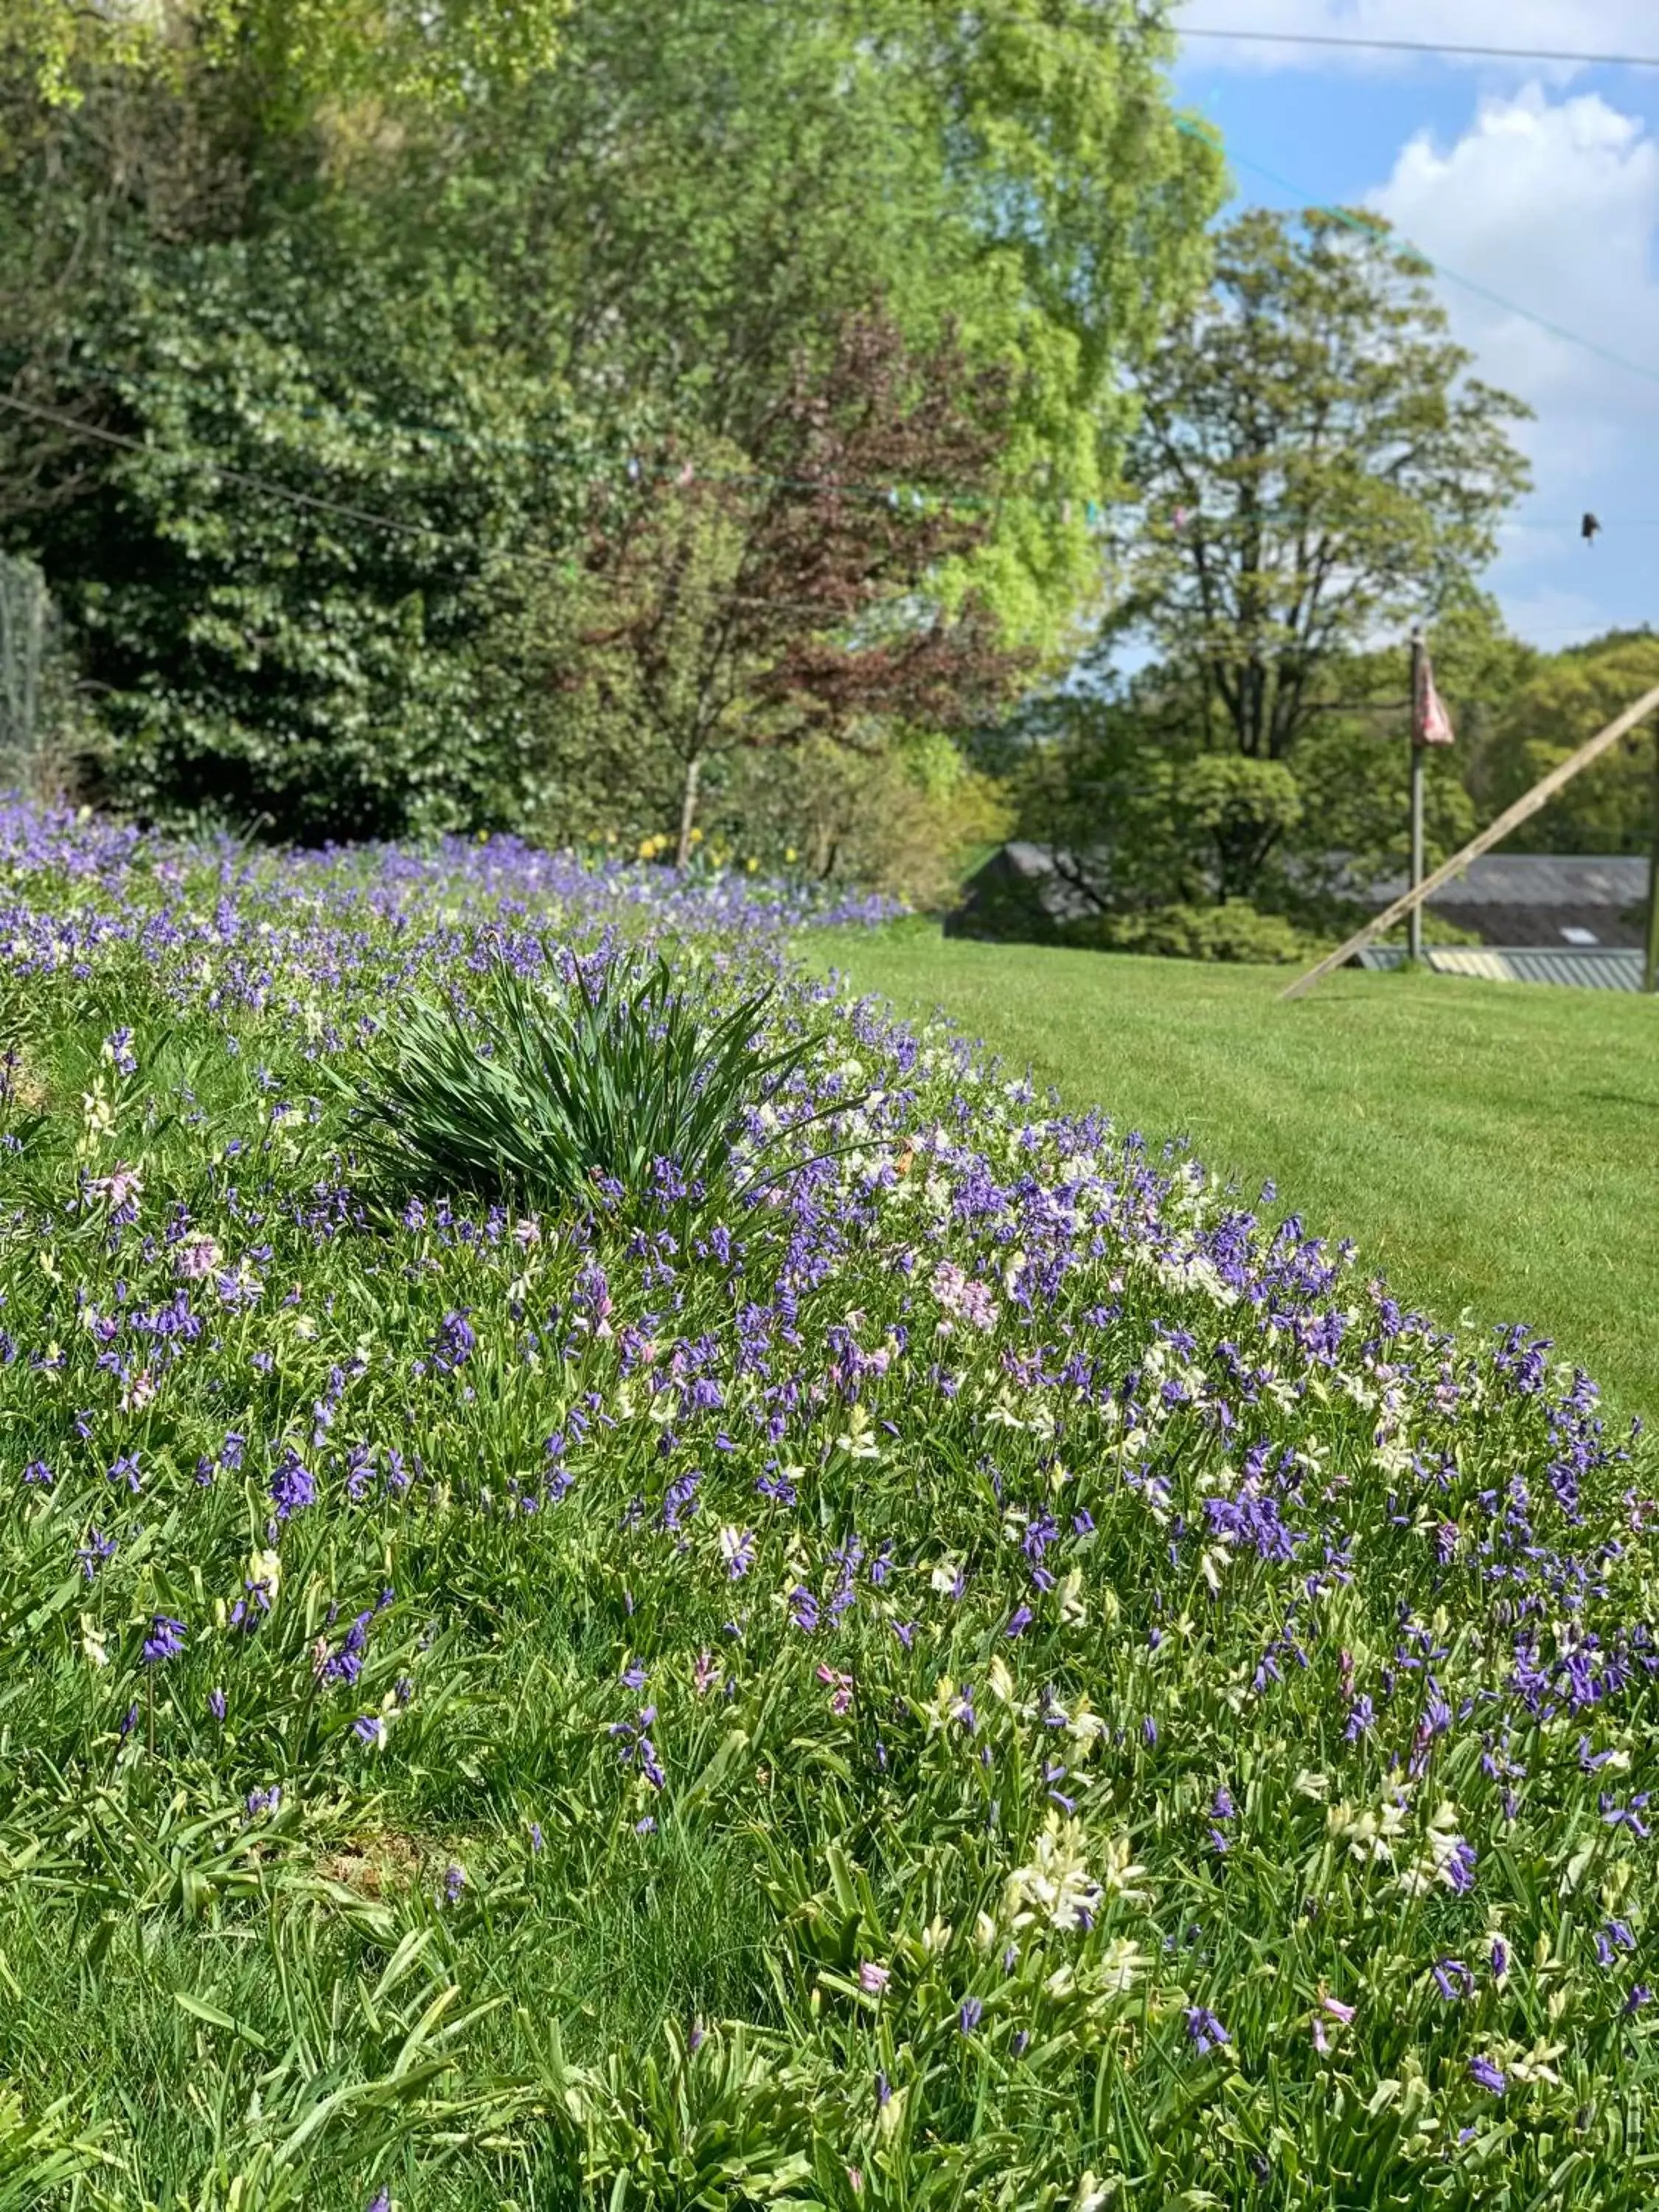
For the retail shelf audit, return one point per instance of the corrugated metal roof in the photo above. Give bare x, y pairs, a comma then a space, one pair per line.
1613, 880
1606, 969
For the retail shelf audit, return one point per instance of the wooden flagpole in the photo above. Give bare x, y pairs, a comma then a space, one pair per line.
1523, 809
1414, 930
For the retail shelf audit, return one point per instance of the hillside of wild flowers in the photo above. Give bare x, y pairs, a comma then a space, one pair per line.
943, 1664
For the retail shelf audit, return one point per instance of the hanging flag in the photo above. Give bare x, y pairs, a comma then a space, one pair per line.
1432, 725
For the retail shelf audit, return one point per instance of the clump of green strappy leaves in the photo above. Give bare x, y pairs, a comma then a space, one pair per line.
544, 1091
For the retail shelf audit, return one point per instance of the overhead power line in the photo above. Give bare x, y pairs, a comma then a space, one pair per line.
562, 564
312, 499
1447, 48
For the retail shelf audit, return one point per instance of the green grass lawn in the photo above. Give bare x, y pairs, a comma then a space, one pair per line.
1494, 1147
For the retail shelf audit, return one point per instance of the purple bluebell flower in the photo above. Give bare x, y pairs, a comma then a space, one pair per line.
96, 1552
1488, 2076
1204, 2031
454, 1344
293, 1486
117, 1050
1460, 1867
166, 1639
972, 2012
345, 1664
1453, 1979
1627, 1816
804, 1609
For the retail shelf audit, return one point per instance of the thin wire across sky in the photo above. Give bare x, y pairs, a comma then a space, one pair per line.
1444, 49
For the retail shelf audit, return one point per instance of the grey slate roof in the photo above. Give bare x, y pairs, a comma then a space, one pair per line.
1519, 879
1021, 876
1549, 880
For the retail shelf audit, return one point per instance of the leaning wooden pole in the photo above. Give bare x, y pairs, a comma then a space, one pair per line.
1523, 809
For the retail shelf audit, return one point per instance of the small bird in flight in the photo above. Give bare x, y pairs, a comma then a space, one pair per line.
1591, 525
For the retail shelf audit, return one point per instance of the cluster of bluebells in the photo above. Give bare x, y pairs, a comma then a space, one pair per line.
1128, 1568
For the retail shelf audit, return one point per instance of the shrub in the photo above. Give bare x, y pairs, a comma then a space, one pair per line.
901, 817
1234, 931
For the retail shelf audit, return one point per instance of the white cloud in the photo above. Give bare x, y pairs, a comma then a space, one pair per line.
1552, 204
1549, 207
1618, 26
1548, 200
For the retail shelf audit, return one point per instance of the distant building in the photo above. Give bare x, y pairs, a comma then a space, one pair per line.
1597, 968
1023, 890
1520, 900
1517, 901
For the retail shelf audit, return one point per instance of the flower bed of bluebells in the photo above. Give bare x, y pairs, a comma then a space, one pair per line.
983, 1675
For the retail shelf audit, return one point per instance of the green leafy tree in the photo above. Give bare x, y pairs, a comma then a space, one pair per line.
906, 817
415, 51
1610, 808
293, 609
1117, 777
1136, 823
93, 192
273, 236
700, 195
1313, 465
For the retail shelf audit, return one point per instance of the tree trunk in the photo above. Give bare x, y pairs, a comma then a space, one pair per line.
688, 808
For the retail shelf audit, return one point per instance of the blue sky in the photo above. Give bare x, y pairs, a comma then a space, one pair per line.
1539, 182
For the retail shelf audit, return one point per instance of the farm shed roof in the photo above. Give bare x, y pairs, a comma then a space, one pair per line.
1602, 969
